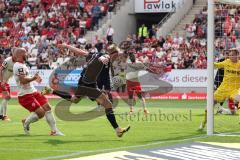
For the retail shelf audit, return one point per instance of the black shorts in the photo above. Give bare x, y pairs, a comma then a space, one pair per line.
104, 84
87, 89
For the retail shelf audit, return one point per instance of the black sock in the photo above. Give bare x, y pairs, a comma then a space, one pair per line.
1, 116
64, 95
111, 117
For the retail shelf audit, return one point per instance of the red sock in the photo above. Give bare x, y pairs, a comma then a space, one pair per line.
231, 105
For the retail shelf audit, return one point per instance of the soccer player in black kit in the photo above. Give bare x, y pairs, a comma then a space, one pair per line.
87, 84
103, 81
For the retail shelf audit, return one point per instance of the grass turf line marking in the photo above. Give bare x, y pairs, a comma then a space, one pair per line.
115, 149
36, 150
227, 135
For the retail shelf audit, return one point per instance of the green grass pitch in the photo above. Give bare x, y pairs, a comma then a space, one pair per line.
180, 124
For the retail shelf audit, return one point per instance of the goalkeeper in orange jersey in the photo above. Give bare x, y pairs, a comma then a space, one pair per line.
231, 81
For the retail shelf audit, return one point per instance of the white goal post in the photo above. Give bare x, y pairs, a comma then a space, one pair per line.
210, 60
210, 69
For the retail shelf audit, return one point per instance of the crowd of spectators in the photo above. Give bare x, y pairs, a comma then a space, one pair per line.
38, 25
189, 51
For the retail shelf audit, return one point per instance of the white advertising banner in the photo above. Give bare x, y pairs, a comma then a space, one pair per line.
178, 78
187, 78
157, 6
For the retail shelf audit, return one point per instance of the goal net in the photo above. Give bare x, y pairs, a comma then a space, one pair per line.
224, 26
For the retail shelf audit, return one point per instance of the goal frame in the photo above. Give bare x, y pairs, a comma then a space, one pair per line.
210, 68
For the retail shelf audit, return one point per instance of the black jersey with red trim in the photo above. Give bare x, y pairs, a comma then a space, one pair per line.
92, 69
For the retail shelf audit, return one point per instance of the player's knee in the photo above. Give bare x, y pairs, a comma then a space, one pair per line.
7, 97
102, 99
40, 112
75, 99
46, 107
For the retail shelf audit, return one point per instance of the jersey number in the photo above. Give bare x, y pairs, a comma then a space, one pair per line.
21, 71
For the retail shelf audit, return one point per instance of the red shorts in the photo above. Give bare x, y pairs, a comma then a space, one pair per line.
133, 86
32, 101
5, 88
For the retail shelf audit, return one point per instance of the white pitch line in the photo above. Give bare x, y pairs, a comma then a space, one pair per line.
114, 149
36, 150
227, 135
59, 122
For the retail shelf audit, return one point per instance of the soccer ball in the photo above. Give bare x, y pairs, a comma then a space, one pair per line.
117, 81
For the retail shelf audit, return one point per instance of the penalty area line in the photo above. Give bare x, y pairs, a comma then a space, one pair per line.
115, 149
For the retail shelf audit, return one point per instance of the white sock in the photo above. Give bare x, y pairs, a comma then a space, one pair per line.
4, 106
51, 121
226, 111
143, 103
3, 110
33, 117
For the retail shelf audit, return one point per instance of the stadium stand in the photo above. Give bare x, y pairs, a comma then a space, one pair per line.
188, 49
39, 25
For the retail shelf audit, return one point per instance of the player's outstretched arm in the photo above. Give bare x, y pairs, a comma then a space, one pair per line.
2, 67
1, 73
24, 79
77, 51
2, 84
138, 66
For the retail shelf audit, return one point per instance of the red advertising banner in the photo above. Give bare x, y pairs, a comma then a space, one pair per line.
157, 96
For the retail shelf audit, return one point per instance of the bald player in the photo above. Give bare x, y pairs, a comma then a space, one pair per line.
6, 72
29, 97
